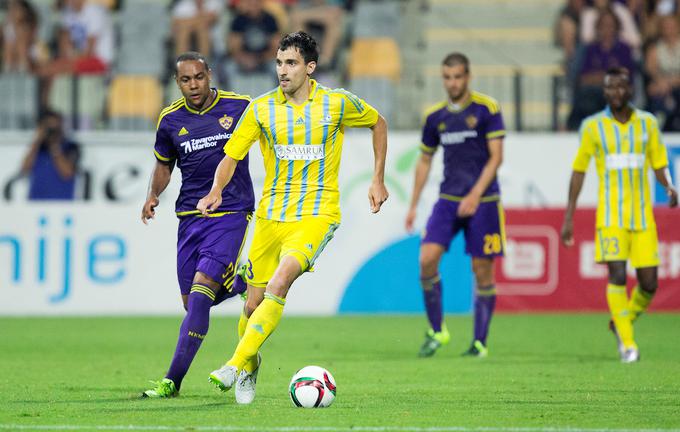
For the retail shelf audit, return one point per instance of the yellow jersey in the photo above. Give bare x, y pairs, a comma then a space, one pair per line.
623, 153
301, 146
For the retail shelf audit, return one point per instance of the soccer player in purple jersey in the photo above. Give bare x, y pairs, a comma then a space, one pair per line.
469, 126
191, 133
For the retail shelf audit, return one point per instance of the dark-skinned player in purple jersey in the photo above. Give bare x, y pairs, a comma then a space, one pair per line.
469, 127
191, 133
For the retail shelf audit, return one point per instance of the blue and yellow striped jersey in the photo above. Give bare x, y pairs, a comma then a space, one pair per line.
623, 153
301, 146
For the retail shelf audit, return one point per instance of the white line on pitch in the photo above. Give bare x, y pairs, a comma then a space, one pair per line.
314, 429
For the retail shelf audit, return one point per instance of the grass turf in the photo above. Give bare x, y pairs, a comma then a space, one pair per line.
558, 371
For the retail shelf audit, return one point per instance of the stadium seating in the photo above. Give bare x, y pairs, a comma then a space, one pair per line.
84, 94
134, 102
19, 95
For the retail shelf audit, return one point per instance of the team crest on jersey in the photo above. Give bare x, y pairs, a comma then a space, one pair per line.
441, 127
471, 121
326, 120
226, 121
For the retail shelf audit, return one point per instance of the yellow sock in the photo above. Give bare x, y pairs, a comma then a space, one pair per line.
618, 307
639, 302
261, 325
242, 323
251, 365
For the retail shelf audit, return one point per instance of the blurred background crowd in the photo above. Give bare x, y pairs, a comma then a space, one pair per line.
108, 64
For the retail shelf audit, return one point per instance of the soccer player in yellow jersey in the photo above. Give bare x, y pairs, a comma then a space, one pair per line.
625, 142
300, 126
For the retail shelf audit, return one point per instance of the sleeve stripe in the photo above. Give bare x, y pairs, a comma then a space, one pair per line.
161, 157
495, 134
426, 149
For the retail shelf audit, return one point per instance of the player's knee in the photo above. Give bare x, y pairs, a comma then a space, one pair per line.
428, 265
483, 270
205, 280
648, 284
617, 277
251, 305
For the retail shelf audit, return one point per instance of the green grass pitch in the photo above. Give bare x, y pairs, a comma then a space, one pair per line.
558, 372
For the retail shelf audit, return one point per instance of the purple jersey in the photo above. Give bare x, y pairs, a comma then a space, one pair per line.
195, 140
464, 134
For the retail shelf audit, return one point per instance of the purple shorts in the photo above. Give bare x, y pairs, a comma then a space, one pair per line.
210, 246
484, 231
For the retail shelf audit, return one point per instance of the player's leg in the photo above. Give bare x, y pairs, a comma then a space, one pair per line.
612, 247
644, 291
431, 284
484, 305
484, 241
441, 227
262, 264
644, 258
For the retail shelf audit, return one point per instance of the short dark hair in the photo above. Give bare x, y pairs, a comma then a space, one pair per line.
605, 13
456, 58
191, 56
46, 113
303, 42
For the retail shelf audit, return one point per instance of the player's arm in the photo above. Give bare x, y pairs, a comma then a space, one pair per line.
578, 174
377, 192
223, 175
575, 186
470, 202
423, 167
160, 178
658, 157
663, 176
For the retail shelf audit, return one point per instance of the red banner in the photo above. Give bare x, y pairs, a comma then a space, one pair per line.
538, 273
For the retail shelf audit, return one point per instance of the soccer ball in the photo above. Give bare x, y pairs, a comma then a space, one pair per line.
312, 387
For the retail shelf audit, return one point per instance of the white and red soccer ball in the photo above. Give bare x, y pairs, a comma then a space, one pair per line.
312, 387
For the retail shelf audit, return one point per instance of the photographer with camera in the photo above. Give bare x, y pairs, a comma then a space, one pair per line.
52, 161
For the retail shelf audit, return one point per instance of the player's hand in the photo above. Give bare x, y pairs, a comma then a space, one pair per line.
410, 219
149, 209
209, 203
567, 233
468, 205
377, 195
672, 197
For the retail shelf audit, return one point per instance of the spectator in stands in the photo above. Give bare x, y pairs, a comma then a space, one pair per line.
19, 37
567, 30
85, 40
194, 19
606, 52
663, 68
253, 39
52, 161
325, 14
629, 32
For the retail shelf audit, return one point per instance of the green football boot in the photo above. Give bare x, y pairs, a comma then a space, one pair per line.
165, 388
434, 340
477, 349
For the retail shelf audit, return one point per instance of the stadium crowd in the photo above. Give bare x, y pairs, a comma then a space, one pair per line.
641, 35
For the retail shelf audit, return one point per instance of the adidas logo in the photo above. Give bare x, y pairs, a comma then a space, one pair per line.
300, 121
183, 131
309, 246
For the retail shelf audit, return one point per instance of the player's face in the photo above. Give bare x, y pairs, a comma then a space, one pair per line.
193, 80
456, 81
292, 70
617, 91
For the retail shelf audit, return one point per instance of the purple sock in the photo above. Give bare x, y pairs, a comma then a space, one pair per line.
191, 334
432, 292
485, 302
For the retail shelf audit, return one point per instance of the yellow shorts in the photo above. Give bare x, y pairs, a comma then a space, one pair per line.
620, 244
304, 240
